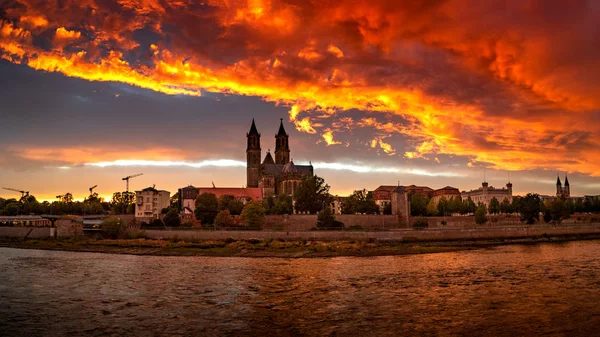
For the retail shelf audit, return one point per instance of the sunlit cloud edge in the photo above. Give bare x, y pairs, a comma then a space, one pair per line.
238, 163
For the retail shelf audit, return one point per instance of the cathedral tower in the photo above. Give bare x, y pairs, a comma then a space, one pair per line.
282, 146
567, 188
253, 156
559, 189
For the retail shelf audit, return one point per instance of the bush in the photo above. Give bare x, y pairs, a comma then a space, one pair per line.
480, 215
157, 223
187, 224
326, 219
224, 219
113, 227
172, 218
253, 214
420, 223
444, 223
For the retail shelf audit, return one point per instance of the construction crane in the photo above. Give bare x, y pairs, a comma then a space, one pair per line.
92, 189
24, 194
129, 177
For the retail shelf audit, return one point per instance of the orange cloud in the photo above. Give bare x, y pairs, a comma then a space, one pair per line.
80, 155
504, 88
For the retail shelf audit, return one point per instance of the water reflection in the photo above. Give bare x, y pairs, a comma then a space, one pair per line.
549, 289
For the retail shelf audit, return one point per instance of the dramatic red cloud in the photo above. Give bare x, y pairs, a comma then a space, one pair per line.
514, 84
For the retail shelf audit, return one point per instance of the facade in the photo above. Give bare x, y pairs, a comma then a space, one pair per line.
486, 193
273, 176
445, 192
563, 191
187, 199
150, 202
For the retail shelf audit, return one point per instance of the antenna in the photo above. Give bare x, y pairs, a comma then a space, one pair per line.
484, 175
509, 176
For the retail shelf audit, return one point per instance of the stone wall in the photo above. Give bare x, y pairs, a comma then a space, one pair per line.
404, 235
306, 222
68, 228
22, 232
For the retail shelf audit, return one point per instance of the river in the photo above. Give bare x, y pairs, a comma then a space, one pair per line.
515, 290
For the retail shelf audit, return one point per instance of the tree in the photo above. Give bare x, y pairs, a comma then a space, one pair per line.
557, 209
172, 219
326, 219
529, 208
442, 206
120, 202
361, 201
516, 204
454, 204
312, 195
387, 208
230, 203
480, 214
207, 207
579, 208
494, 206
113, 227
418, 204
432, 208
468, 206
224, 219
253, 214
506, 207
283, 205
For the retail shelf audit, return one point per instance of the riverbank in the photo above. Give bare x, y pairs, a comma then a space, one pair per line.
267, 248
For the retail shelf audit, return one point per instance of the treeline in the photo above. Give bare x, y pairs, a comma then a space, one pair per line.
121, 203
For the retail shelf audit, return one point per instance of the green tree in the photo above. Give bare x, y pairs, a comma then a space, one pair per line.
172, 219
326, 219
480, 215
230, 203
312, 195
113, 227
529, 208
432, 209
579, 208
506, 206
442, 206
516, 204
558, 209
224, 219
387, 208
494, 206
283, 205
207, 207
418, 204
468, 206
253, 214
121, 201
361, 201
454, 204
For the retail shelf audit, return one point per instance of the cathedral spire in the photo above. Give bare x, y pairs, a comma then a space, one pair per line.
566, 180
558, 183
281, 129
253, 130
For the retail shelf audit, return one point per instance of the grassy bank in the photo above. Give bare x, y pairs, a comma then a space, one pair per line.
262, 248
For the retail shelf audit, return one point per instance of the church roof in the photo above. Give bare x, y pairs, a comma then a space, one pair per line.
269, 159
276, 170
253, 130
558, 180
290, 168
281, 129
566, 181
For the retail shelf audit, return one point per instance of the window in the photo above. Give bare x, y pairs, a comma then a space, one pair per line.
147, 199
147, 207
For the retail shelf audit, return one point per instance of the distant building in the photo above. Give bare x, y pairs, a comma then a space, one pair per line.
187, 199
486, 193
336, 204
25, 221
150, 202
383, 193
563, 191
241, 193
445, 192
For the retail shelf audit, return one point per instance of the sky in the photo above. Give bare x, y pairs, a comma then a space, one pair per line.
430, 92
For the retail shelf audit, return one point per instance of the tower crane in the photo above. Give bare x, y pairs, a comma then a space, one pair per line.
129, 177
92, 189
24, 194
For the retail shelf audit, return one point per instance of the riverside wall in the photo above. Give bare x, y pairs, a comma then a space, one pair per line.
406, 235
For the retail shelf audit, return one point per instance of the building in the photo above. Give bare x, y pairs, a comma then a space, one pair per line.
445, 192
25, 221
486, 193
187, 199
149, 203
383, 193
273, 176
563, 191
189, 194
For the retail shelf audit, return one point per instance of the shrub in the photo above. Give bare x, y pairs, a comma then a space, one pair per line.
207, 207
157, 223
253, 214
224, 219
326, 219
480, 215
420, 223
172, 218
113, 227
187, 224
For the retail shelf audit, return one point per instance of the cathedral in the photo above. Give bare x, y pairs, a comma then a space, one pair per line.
563, 191
274, 176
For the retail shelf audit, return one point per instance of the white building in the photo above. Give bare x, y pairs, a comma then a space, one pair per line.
486, 193
149, 203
